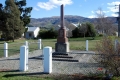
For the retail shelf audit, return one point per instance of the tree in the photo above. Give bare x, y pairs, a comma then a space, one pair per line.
45, 34
14, 25
24, 11
90, 30
104, 25
85, 29
82, 29
2, 17
109, 56
76, 32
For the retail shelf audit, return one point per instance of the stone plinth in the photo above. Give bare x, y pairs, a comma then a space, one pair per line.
62, 45
62, 48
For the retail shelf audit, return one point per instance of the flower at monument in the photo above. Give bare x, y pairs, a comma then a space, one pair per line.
99, 69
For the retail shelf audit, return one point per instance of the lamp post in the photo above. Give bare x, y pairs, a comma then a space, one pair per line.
118, 19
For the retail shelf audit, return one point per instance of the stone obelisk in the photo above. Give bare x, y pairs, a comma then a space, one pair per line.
62, 45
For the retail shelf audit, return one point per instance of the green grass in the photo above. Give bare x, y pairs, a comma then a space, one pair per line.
35, 76
14, 48
75, 44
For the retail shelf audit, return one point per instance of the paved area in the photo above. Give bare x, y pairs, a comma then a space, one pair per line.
85, 65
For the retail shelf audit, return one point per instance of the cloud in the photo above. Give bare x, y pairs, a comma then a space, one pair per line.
35, 8
47, 5
92, 12
113, 9
101, 12
53, 4
59, 2
114, 3
97, 12
114, 15
92, 16
106, 11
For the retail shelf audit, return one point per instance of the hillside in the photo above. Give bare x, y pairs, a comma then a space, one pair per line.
55, 20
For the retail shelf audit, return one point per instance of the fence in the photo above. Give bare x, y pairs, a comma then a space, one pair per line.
8, 49
13, 48
85, 65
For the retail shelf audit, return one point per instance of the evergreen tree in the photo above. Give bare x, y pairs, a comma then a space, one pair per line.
76, 33
14, 25
90, 30
24, 11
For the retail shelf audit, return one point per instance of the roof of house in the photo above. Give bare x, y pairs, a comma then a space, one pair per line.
31, 29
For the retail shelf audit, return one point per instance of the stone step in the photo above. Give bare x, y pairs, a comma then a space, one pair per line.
63, 56
65, 59
68, 59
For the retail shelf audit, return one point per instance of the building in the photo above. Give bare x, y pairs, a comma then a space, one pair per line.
32, 32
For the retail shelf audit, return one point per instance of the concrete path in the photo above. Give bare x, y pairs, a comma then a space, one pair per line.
86, 65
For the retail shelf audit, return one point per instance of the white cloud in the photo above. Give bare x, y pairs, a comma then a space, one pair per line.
59, 2
113, 9
92, 16
114, 15
99, 12
47, 5
106, 11
92, 12
114, 3
53, 4
35, 8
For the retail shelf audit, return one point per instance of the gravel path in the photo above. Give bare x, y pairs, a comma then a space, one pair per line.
86, 65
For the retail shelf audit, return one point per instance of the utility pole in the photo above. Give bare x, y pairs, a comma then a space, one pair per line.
119, 22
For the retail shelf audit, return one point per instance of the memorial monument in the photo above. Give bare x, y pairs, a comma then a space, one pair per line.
62, 45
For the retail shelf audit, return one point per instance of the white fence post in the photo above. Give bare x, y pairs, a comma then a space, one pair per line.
86, 45
116, 45
5, 49
47, 52
23, 58
39, 43
27, 52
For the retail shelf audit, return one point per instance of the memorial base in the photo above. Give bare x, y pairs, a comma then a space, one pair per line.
62, 48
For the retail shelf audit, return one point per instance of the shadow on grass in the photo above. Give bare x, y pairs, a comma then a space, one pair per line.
16, 73
53, 76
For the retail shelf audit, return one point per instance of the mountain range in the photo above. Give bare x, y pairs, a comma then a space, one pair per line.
55, 20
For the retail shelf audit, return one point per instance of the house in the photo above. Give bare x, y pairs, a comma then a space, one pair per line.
32, 32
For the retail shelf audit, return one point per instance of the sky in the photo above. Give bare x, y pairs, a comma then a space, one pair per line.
85, 8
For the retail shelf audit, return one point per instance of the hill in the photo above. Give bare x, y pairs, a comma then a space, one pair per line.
55, 20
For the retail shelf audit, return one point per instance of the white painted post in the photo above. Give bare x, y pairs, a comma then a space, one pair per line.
47, 59
116, 45
23, 59
39, 43
5, 49
27, 52
86, 45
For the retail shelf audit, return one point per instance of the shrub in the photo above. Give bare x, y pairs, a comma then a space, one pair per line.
109, 55
100, 35
45, 34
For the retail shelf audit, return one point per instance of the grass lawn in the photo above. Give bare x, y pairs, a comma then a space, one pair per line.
35, 76
75, 44
14, 48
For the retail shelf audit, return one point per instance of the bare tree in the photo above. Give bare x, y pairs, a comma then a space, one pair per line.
103, 24
109, 55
